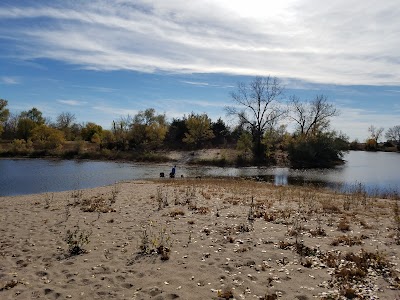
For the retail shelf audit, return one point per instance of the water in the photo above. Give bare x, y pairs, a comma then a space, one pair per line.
377, 172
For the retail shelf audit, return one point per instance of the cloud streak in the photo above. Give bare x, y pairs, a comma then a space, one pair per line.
71, 102
9, 80
343, 42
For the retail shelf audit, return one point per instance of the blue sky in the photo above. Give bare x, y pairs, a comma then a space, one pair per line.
105, 59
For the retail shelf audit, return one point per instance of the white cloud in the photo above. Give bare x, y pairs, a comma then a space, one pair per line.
71, 102
343, 42
196, 83
355, 121
9, 80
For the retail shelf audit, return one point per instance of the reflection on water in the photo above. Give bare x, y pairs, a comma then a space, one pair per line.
281, 176
375, 172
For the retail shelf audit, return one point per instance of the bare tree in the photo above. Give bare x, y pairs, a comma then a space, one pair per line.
65, 120
375, 132
393, 134
312, 117
257, 107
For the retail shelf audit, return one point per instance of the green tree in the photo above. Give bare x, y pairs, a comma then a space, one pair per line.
199, 130
90, 129
45, 137
33, 114
220, 131
317, 151
25, 127
244, 144
314, 145
148, 130
257, 107
4, 113
176, 133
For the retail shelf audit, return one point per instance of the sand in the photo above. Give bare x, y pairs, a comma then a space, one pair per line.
199, 239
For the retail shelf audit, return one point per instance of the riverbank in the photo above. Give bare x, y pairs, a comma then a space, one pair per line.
198, 239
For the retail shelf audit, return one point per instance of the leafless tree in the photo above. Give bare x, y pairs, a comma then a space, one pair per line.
65, 120
375, 132
257, 107
393, 134
312, 117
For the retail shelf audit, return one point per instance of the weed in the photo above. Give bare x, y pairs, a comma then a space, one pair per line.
344, 225
250, 215
396, 212
203, 210
177, 212
144, 246
346, 240
97, 204
272, 296
243, 228
114, 193
76, 240
225, 293
48, 198
155, 243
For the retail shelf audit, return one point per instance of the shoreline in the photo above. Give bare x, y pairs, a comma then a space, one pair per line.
199, 239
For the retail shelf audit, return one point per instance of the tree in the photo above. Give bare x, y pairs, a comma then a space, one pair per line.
120, 130
220, 131
33, 114
257, 107
393, 134
25, 127
176, 133
4, 113
199, 130
10, 127
148, 129
375, 133
312, 117
64, 122
313, 144
244, 144
45, 137
317, 151
89, 130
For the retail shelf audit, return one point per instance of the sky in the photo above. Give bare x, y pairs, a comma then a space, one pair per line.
103, 60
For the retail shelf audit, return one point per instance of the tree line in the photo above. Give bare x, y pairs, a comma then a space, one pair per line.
259, 136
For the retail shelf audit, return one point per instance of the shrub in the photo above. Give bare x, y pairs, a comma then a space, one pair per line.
76, 240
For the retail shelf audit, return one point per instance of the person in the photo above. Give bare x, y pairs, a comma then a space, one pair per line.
172, 174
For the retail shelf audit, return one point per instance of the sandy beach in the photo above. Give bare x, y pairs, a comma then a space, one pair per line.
199, 239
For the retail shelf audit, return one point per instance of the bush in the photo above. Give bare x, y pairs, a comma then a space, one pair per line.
320, 151
76, 239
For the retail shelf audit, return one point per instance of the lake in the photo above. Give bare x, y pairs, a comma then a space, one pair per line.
378, 172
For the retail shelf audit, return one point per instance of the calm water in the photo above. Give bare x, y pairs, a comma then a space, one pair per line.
376, 171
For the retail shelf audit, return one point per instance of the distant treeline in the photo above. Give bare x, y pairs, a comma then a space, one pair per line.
259, 136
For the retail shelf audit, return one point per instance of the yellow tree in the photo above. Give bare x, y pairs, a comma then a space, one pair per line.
45, 137
199, 130
148, 129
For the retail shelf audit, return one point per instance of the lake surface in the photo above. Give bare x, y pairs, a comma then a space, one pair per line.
377, 172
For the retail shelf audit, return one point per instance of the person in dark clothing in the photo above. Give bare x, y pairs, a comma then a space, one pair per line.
172, 174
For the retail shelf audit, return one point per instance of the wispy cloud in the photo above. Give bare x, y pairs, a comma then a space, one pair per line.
115, 111
343, 42
71, 102
100, 89
355, 121
196, 83
9, 80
